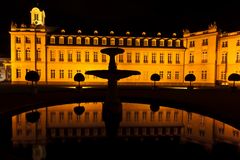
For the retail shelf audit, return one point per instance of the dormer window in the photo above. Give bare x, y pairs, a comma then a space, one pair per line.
154, 42
70, 40
129, 41
87, 41
161, 42
145, 42
95, 41
61, 40
78, 40
112, 41
169, 43
121, 41
137, 42
104, 41
178, 43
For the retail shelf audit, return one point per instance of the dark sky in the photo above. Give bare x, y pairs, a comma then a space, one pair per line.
166, 16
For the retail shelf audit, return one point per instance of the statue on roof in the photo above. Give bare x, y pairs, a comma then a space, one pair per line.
212, 25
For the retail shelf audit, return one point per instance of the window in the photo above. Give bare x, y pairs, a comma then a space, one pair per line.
27, 40
112, 41
52, 40
224, 44
135, 116
160, 116
161, 43
61, 116
61, 40
223, 75
129, 41
161, 58
145, 43
169, 58
145, 58
121, 42
95, 116
87, 117
224, 58
177, 43
238, 43
104, 58
52, 74
104, 41
39, 54
154, 42
168, 116
70, 40
177, 58
18, 73
79, 40
61, 73
27, 56
205, 42
154, 57
95, 41
120, 58
191, 58
18, 40
169, 75
177, 75
204, 75
161, 74
129, 57
128, 116
144, 116
192, 44
95, 56
18, 55
137, 58
175, 116
70, 116
169, 43
69, 73
151, 116
61, 56
87, 41
238, 57
78, 56
52, 56
204, 57
137, 42
87, 56
70, 56
189, 116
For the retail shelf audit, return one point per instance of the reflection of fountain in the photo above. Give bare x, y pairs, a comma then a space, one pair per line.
112, 107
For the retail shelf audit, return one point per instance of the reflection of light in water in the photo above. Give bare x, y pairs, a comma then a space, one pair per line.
137, 121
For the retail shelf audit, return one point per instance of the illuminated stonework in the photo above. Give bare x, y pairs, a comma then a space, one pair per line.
58, 55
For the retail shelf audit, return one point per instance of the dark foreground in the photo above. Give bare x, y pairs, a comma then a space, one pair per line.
162, 148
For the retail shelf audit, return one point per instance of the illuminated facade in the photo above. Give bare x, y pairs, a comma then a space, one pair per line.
138, 121
58, 55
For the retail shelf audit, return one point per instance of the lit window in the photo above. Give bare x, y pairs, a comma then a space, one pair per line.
70, 40
87, 41
95, 41
52, 40
61, 40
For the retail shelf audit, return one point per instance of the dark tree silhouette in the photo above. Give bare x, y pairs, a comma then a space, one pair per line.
78, 110
155, 77
191, 78
154, 107
234, 77
32, 76
79, 77
33, 116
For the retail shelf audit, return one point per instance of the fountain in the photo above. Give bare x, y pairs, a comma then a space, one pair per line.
112, 106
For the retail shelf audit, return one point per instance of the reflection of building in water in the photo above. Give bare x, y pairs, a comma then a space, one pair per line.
61, 123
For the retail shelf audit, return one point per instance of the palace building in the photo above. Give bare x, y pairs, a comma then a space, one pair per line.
58, 54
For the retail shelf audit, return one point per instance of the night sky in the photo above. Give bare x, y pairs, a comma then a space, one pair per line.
120, 16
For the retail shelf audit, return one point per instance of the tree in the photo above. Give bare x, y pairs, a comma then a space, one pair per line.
191, 78
33, 116
234, 77
32, 76
78, 110
79, 77
155, 77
